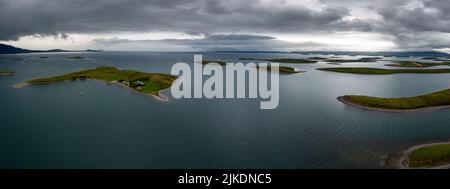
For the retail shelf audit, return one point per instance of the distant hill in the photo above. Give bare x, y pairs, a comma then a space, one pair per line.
8, 49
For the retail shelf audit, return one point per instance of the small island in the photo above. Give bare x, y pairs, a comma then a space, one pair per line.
436, 100
434, 155
414, 64
379, 71
284, 60
282, 69
364, 59
317, 58
147, 83
222, 63
75, 57
6, 72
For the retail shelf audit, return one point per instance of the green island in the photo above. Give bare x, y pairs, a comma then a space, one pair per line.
282, 69
379, 71
148, 83
317, 58
364, 59
430, 156
43, 57
440, 99
284, 60
75, 57
418, 64
6, 72
222, 63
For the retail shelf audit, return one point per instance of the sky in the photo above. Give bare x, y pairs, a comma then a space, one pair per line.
236, 25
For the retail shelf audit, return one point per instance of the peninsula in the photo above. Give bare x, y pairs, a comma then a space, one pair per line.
435, 100
147, 83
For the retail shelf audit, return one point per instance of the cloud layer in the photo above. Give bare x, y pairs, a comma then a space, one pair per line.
409, 24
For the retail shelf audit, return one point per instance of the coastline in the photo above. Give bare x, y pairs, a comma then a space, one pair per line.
159, 96
20, 85
341, 99
399, 160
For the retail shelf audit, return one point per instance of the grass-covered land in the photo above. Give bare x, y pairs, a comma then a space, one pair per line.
43, 57
7, 72
76, 57
418, 64
432, 100
379, 71
284, 60
150, 83
317, 58
282, 69
222, 63
364, 59
430, 156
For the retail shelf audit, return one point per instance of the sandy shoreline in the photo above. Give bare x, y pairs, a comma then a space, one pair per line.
159, 96
399, 160
341, 99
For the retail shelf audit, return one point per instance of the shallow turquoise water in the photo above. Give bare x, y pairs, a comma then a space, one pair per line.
52, 126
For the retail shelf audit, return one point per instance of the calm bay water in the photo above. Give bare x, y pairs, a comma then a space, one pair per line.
52, 126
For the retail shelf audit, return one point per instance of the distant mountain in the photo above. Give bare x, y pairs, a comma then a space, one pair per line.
8, 49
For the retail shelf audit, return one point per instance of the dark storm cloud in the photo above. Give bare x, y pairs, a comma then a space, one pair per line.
28, 17
420, 26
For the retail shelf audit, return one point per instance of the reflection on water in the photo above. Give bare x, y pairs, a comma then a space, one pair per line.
52, 126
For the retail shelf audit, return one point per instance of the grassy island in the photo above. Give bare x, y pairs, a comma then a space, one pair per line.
430, 156
379, 71
284, 60
317, 58
6, 72
364, 59
150, 83
438, 99
75, 57
222, 63
418, 64
283, 69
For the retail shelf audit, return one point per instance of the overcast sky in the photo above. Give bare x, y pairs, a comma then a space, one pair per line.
193, 25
